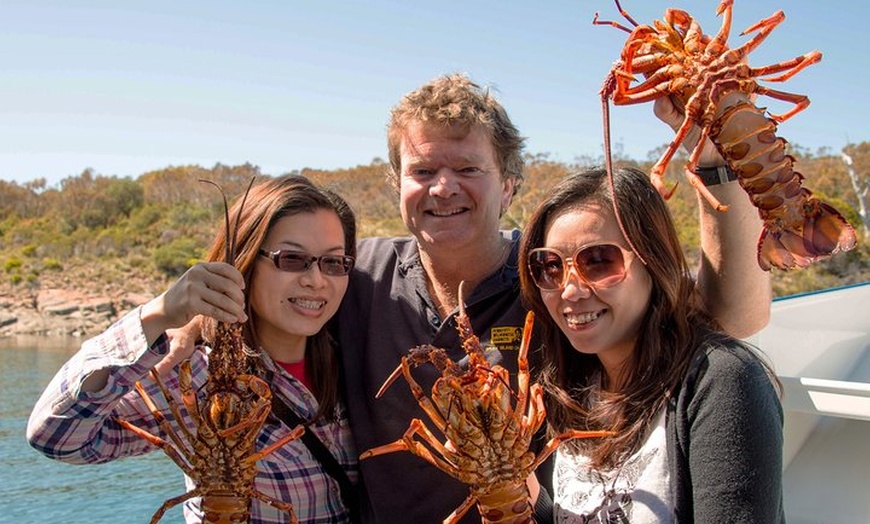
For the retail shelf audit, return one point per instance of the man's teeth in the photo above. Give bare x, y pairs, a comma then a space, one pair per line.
585, 318
445, 213
308, 304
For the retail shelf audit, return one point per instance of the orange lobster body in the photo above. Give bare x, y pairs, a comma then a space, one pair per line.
698, 72
488, 438
219, 455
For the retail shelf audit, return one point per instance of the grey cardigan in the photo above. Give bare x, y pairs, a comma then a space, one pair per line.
724, 428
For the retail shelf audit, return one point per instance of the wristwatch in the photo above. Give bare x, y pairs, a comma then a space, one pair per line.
712, 176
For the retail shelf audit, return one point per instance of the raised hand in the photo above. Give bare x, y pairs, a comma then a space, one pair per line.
212, 289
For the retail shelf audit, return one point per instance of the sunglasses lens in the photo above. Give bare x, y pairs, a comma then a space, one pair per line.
294, 262
547, 269
298, 262
602, 265
336, 266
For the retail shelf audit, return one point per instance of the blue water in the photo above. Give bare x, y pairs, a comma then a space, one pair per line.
36, 490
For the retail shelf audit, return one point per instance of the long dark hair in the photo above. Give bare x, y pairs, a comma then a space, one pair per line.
668, 336
267, 203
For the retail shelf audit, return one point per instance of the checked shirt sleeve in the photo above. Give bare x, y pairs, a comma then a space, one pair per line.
79, 427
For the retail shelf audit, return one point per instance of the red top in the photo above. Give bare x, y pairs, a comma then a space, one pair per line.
297, 369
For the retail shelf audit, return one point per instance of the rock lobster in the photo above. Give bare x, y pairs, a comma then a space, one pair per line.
697, 71
219, 455
488, 439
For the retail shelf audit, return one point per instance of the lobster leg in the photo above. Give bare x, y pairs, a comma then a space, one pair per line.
791, 67
764, 28
170, 451
460, 512
188, 397
551, 446
717, 45
421, 397
407, 443
170, 399
290, 437
617, 25
727, 85
693, 178
659, 84
161, 419
174, 501
277, 504
657, 173
258, 414
523, 376
801, 102
536, 413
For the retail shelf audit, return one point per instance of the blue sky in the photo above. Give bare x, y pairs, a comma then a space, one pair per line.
127, 87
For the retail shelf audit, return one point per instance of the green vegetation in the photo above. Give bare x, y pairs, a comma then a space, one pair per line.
110, 234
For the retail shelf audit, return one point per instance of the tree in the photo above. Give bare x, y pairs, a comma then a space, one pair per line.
860, 179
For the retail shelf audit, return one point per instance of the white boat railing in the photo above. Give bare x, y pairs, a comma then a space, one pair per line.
819, 346
835, 398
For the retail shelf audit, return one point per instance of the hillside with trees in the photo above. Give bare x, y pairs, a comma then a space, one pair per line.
103, 234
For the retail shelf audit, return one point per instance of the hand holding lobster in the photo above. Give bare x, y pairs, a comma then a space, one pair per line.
211, 289
671, 113
219, 454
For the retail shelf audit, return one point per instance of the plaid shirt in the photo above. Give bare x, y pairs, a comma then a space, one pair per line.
74, 426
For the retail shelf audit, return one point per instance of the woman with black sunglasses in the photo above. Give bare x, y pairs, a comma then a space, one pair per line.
628, 347
295, 246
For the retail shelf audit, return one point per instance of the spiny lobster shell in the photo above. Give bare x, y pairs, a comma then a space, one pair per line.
698, 71
488, 435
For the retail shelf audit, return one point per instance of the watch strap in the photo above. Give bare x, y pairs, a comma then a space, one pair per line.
712, 176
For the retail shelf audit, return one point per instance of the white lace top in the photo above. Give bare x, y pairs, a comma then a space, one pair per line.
638, 492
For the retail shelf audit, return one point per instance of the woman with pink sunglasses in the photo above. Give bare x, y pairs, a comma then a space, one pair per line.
628, 347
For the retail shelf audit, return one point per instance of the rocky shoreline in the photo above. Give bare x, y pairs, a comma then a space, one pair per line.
62, 312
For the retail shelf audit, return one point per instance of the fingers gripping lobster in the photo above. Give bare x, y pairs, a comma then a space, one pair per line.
219, 455
487, 438
698, 71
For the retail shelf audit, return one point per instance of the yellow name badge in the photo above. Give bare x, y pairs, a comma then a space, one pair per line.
507, 338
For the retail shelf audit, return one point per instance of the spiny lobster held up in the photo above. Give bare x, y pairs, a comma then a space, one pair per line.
219, 455
488, 439
698, 71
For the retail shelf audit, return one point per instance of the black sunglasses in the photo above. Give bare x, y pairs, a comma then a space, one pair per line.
300, 261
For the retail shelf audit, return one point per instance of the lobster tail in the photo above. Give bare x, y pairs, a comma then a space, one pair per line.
799, 229
822, 233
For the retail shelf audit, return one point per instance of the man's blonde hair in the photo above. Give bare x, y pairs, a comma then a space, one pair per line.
455, 101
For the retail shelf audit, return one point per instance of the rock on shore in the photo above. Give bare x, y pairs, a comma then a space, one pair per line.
62, 312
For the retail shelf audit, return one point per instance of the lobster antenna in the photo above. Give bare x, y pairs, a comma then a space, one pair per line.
228, 255
606, 89
230, 249
461, 297
239, 218
623, 12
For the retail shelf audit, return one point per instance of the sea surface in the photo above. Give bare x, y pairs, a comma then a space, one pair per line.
37, 490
